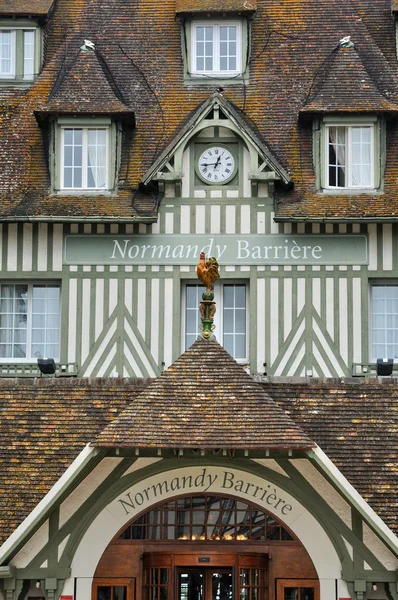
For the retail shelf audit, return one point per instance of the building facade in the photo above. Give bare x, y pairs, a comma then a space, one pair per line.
134, 136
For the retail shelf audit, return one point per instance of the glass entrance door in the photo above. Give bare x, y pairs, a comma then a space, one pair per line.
208, 583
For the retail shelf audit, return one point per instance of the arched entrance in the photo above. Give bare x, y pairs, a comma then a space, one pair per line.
205, 547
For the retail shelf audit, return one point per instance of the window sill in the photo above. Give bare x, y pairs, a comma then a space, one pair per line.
215, 79
350, 191
89, 193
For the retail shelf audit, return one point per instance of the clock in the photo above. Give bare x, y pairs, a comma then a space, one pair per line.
216, 165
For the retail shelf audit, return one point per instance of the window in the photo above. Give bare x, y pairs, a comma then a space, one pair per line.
206, 518
113, 589
29, 321
384, 307
350, 156
216, 49
19, 54
84, 158
230, 319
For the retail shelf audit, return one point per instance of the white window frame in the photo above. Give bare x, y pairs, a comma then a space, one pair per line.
348, 150
29, 357
11, 74
84, 130
219, 316
216, 71
380, 284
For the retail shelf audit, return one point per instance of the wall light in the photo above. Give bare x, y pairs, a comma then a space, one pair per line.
384, 366
46, 366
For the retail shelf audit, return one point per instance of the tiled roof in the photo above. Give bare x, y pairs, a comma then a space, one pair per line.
204, 400
215, 6
347, 87
141, 44
356, 425
85, 86
25, 7
45, 423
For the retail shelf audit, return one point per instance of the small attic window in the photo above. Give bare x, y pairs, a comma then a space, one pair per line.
19, 53
215, 49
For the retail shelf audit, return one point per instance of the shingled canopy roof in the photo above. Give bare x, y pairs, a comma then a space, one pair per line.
46, 423
348, 87
204, 400
25, 7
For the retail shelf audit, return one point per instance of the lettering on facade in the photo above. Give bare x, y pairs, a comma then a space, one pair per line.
227, 249
203, 482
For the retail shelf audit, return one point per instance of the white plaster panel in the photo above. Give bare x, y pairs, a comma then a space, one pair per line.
87, 487
140, 463
42, 247
185, 220
372, 233
387, 247
247, 188
27, 247
185, 480
185, 171
12, 252
350, 549
83, 588
270, 463
31, 548
384, 555
61, 546
327, 589
323, 487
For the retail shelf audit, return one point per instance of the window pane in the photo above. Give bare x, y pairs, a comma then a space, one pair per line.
384, 321
7, 52
72, 158
28, 54
120, 593
336, 157
104, 592
204, 48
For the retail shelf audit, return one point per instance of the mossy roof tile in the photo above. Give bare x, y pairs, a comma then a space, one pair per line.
25, 7
204, 400
45, 424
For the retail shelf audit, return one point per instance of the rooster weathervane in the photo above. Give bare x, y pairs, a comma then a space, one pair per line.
207, 271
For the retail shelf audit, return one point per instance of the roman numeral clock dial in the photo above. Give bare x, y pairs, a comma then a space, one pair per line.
216, 165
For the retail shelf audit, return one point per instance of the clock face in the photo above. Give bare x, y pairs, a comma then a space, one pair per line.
216, 165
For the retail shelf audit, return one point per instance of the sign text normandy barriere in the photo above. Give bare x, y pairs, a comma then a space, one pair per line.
227, 249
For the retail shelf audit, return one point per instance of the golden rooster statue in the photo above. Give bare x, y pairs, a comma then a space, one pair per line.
207, 271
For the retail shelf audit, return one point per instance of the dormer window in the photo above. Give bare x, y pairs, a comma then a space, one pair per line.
216, 48
19, 54
350, 156
84, 158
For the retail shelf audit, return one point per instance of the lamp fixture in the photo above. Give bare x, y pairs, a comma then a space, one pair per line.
46, 366
384, 366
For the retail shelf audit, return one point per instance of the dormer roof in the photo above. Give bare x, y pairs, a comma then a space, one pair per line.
213, 6
345, 86
86, 86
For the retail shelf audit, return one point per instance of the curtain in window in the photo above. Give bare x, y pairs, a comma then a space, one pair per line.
96, 158
337, 157
361, 156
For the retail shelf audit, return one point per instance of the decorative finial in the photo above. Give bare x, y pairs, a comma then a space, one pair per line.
208, 274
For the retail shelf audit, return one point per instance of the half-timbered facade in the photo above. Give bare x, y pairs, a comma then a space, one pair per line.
133, 137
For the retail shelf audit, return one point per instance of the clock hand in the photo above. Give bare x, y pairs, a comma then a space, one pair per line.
218, 160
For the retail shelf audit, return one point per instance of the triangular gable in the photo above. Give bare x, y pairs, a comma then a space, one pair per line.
218, 111
346, 86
